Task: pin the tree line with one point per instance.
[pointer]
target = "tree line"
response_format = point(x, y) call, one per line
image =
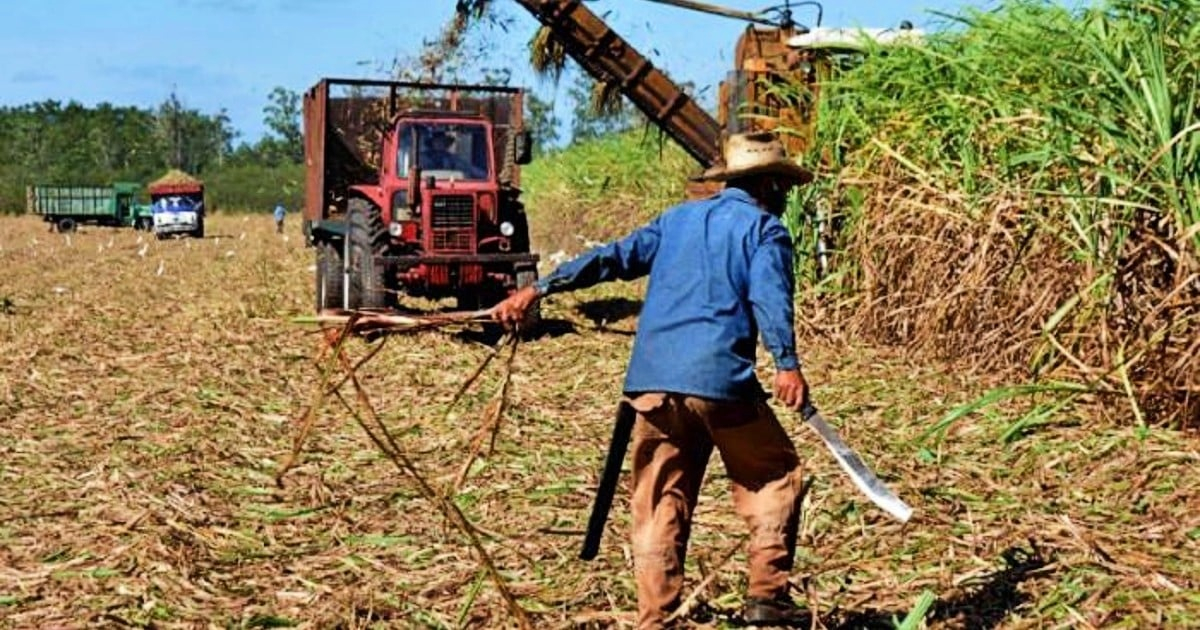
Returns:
point(51, 142)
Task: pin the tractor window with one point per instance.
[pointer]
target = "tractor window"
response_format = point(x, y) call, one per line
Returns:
point(444, 150)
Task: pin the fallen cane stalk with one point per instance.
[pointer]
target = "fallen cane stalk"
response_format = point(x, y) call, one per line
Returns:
point(387, 444)
point(309, 416)
point(493, 414)
point(383, 439)
point(371, 321)
point(462, 389)
point(361, 362)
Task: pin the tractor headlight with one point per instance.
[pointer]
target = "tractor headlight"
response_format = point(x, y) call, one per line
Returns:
point(507, 228)
point(395, 228)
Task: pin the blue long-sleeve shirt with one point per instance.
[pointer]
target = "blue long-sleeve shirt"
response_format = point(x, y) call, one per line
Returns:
point(720, 269)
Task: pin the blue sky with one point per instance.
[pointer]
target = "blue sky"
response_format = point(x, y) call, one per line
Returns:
point(230, 53)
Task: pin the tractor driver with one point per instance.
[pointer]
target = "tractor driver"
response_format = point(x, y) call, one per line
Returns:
point(440, 156)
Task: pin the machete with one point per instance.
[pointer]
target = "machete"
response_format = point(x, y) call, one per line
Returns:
point(622, 430)
point(850, 462)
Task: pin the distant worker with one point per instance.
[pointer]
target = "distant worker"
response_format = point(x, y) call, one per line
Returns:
point(441, 156)
point(280, 212)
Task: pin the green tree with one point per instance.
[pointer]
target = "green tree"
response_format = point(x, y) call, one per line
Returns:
point(282, 116)
point(542, 122)
point(597, 110)
point(190, 140)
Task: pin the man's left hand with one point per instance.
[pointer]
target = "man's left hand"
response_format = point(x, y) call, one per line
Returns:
point(790, 388)
point(511, 312)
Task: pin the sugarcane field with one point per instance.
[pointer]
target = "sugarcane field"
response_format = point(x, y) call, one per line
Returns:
point(519, 322)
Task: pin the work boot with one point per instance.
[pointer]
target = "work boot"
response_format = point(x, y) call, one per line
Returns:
point(779, 611)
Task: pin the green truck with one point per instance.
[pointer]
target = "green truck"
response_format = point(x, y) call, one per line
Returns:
point(67, 207)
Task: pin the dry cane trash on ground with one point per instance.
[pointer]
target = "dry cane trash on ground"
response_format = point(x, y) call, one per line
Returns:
point(144, 419)
point(380, 326)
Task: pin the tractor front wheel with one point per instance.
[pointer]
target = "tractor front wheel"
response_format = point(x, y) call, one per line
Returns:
point(366, 240)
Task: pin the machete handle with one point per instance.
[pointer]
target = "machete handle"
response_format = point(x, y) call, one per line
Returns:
point(609, 476)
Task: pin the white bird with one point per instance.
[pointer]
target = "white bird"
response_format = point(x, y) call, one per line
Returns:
point(139, 238)
point(68, 240)
point(229, 254)
point(242, 236)
point(160, 268)
point(143, 250)
point(110, 242)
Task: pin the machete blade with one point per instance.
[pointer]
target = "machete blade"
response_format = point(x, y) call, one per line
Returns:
point(859, 473)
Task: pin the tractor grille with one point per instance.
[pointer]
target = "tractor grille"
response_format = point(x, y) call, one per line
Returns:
point(454, 211)
point(453, 223)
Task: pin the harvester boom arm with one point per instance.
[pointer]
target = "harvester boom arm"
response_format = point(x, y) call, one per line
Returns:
point(702, 7)
point(607, 57)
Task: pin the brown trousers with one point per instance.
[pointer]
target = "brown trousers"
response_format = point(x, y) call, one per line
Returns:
point(672, 439)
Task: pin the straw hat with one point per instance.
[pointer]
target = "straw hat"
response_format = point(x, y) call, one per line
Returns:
point(759, 153)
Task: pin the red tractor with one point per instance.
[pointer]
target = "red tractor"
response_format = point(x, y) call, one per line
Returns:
point(412, 189)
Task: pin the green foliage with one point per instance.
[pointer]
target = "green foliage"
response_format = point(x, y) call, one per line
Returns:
point(915, 619)
point(53, 143)
point(282, 117)
point(541, 122)
point(1033, 149)
point(604, 187)
point(256, 187)
point(190, 140)
point(1099, 107)
point(597, 111)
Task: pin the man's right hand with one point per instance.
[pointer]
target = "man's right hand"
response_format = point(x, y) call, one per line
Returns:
point(511, 312)
point(790, 389)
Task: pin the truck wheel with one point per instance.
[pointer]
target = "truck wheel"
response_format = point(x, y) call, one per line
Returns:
point(533, 317)
point(366, 238)
point(199, 231)
point(66, 225)
point(329, 277)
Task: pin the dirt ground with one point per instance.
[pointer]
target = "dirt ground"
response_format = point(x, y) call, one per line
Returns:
point(149, 392)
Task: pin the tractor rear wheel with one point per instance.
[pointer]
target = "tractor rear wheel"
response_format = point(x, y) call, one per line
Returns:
point(366, 239)
point(330, 278)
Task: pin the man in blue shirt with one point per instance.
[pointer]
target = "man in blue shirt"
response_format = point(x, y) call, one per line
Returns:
point(720, 276)
point(280, 212)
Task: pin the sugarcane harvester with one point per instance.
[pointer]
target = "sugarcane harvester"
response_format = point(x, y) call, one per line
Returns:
point(746, 100)
point(413, 189)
